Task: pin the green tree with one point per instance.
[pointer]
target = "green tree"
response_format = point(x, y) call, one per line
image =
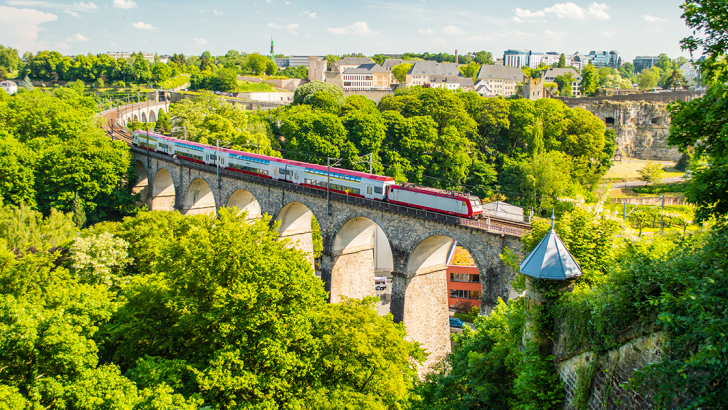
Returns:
point(589, 80)
point(674, 80)
point(79, 214)
point(257, 63)
point(400, 72)
point(271, 68)
point(22, 228)
point(26, 84)
point(562, 61)
point(647, 80)
point(306, 92)
point(652, 172)
point(17, 177)
point(565, 83)
point(484, 58)
point(163, 125)
point(664, 62)
point(331, 59)
point(321, 135)
point(471, 70)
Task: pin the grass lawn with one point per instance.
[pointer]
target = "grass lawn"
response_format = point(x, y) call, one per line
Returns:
point(248, 87)
point(626, 170)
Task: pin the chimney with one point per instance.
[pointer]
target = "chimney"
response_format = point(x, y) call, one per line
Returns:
point(456, 56)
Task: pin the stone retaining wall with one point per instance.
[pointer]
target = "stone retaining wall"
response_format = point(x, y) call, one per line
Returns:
point(610, 384)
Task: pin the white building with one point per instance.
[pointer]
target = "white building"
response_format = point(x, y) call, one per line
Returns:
point(298, 61)
point(9, 87)
point(498, 80)
point(125, 55)
point(689, 71)
point(273, 97)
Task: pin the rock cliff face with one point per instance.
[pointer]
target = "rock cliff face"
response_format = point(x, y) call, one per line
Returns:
point(641, 128)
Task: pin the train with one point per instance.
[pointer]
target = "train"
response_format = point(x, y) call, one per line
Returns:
point(343, 181)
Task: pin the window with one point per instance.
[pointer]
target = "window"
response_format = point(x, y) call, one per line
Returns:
point(249, 169)
point(464, 277)
point(283, 171)
point(186, 155)
point(464, 294)
point(377, 190)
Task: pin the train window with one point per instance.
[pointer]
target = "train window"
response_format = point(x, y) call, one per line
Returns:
point(377, 190)
point(283, 171)
point(465, 204)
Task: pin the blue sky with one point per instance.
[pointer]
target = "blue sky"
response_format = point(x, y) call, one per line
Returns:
point(303, 27)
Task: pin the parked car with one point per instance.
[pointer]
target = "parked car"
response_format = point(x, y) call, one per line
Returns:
point(455, 322)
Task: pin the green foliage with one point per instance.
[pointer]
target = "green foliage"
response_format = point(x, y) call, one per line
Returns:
point(23, 228)
point(483, 366)
point(589, 80)
point(647, 79)
point(318, 242)
point(305, 93)
point(400, 71)
point(584, 379)
point(163, 125)
point(652, 172)
point(175, 82)
point(208, 117)
point(471, 70)
point(700, 123)
point(294, 72)
point(79, 215)
point(56, 150)
point(684, 162)
point(465, 316)
point(249, 323)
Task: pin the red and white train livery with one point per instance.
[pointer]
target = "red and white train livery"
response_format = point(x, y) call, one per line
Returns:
point(344, 181)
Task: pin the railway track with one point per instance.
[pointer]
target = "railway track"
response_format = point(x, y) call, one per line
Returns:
point(116, 131)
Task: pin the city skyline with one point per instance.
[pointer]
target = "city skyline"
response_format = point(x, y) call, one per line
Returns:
point(327, 27)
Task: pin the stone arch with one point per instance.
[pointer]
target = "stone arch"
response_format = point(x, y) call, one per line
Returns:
point(295, 224)
point(420, 298)
point(199, 198)
point(161, 109)
point(144, 117)
point(135, 118)
point(358, 244)
point(609, 121)
point(163, 191)
point(152, 116)
point(142, 185)
point(244, 200)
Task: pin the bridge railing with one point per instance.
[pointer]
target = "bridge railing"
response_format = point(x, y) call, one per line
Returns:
point(370, 203)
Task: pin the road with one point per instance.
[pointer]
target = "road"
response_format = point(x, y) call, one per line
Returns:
point(642, 183)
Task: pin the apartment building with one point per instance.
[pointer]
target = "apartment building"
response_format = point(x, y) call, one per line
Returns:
point(438, 75)
point(498, 80)
point(349, 62)
point(463, 279)
point(602, 59)
point(298, 61)
point(644, 63)
point(366, 77)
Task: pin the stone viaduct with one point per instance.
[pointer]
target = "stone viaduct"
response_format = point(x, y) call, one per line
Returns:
point(144, 112)
point(419, 240)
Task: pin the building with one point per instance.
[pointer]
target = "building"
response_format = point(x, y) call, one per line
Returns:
point(533, 88)
point(463, 279)
point(689, 72)
point(552, 73)
point(349, 62)
point(516, 58)
point(9, 86)
point(391, 62)
point(316, 68)
point(125, 55)
point(498, 80)
point(369, 76)
point(298, 61)
point(273, 97)
point(644, 63)
point(284, 62)
point(576, 60)
point(434, 74)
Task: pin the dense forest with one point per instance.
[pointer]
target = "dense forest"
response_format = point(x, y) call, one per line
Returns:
point(105, 305)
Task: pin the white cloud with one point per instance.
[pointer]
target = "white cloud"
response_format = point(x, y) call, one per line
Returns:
point(595, 11)
point(87, 6)
point(77, 37)
point(19, 27)
point(438, 41)
point(274, 25)
point(217, 13)
point(608, 33)
point(199, 42)
point(425, 31)
point(312, 15)
point(652, 19)
point(202, 11)
point(125, 4)
point(292, 27)
point(142, 26)
point(452, 31)
point(554, 35)
point(113, 44)
point(655, 29)
point(72, 13)
point(528, 13)
point(359, 28)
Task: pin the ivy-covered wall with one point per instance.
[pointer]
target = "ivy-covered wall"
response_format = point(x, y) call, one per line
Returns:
point(595, 382)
